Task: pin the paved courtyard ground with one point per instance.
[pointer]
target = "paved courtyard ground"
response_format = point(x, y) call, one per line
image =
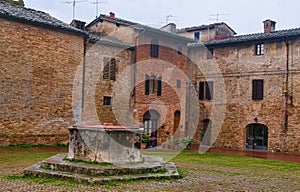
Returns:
point(200, 172)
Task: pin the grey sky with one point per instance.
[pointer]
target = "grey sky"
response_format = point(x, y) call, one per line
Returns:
point(243, 16)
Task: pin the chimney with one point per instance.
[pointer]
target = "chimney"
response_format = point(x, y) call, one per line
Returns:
point(269, 26)
point(112, 15)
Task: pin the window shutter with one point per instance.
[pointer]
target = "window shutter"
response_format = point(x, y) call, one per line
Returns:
point(159, 86)
point(112, 71)
point(260, 89)
point(106, 68)
point(209, 90)
point(201, 90)
point(147, 85)
point(257, 89)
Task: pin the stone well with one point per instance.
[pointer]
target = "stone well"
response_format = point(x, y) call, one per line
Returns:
point(105, 143)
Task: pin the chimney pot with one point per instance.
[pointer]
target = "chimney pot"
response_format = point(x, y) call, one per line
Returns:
point(269, 26)
point(112, 15)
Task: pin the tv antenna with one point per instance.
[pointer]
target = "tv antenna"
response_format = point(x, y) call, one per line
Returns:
point(74, 2)
point(217, 17)
point(168, 18)
point(97, 2)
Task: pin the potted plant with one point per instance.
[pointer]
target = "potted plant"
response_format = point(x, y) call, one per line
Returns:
point(187, 141)
point(145, 140)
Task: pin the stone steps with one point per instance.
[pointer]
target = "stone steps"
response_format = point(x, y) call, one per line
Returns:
point(56, 167)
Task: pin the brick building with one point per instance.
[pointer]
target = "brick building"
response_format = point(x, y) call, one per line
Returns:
point(260, 75)
point(38, 59)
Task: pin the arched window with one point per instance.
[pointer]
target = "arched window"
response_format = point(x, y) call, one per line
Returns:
point(177, 115)
point(151, 123)
point(154, 48)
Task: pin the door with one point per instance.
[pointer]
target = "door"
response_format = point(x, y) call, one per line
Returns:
point(257, 136)
point(151, 123)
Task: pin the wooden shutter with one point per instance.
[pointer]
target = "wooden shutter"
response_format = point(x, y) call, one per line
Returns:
point(209, 90)
point(258, 89)
point(106, 68)
point(201, 90)
point(147, 85)
point(112, 70)
point(159, 86)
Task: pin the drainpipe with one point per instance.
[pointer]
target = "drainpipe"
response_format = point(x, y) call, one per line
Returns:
point(287, 87)
point(86, 39)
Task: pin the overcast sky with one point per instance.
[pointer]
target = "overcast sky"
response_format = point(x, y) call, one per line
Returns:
point(244, 16)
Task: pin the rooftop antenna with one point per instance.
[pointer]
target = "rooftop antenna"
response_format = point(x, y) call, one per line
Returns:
point(168, 18)
point(74, 2)
point(217, 17)
point(97, 2)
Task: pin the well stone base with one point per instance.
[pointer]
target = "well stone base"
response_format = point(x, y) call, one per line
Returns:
point(58, 167)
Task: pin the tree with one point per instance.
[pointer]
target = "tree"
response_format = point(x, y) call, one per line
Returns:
point(16, 2)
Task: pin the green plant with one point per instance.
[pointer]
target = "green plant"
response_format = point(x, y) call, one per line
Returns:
point(145, 138)
point(187, 140)
point(175, 142)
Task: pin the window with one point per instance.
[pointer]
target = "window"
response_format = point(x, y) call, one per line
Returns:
point(257, 89)
point(197, 35)
point(178, 83)
point(109, 71)
point(259, 49)
point(154, 48)
point(107, 101)
point(210, 54)
point(153, 85)
point(179, 51)
point(206, 90)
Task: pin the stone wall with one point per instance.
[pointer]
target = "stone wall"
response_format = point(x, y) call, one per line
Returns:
point(238, 66)
point(38, 66)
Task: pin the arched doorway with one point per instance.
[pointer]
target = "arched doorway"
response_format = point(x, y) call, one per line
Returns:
point(206, 132)
point(177, 115)
point(151, 123)
point(257, 136)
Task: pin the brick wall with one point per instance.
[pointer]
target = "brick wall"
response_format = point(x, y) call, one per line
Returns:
point(38, 66)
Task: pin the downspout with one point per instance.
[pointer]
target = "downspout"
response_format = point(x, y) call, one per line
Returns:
point(286, 88)
point(86, 39)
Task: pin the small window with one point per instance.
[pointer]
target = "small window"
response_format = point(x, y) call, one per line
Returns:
point(210, 54)
point(206, 90)
point(179, 51)
point(259, 49)
point(153, 85)
point(257, 89)
point(197, 36)
point(107, 101)
point(178, 83)
point(154, 48)
point(278, 46)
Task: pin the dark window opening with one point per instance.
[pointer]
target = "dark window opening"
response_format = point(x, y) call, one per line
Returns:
point(107, 101)
point(206, 90)
point(197, 35)
point(210, 54)
point(178, 83)
point(153, 85)
point(179, 51)
point(257, 89)
point(154, 48)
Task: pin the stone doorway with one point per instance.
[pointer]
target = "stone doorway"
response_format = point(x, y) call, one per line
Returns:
point(257, 136)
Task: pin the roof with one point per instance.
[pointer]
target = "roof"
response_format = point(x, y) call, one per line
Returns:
point(257, 37)
point(138, 27)
point(34, 17)
point(203, 27)
point(107, 40)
